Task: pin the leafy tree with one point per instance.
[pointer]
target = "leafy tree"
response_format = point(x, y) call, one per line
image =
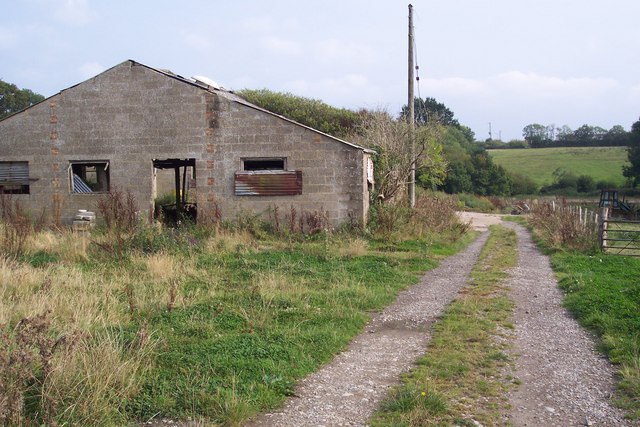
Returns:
point(536, 135)
point(488, 178)
point(585, 184)
point(475, 172)
point(13, 99)
point(617, 135)
point(564, 182)
point(522, 185)
point(458, 179)
point(470, 169)
point(429, 110)
point(585, 133)
point(632, 171)
point(564, 133)
point(314, 113)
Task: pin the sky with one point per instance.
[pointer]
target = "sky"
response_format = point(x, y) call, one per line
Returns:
point(497, 64)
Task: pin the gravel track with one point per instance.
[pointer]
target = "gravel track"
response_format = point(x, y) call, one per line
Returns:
point(564, 381)
point(347, 391)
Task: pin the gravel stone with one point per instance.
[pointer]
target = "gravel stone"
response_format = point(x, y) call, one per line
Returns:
point(564, 381)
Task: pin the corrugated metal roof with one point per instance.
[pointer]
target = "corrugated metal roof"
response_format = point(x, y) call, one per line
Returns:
point(79, 186)
point(268, 183)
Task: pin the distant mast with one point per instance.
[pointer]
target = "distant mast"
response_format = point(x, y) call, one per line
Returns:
point(411, 115)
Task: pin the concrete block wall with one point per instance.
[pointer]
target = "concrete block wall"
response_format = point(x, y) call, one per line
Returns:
point(331, 170)
point(131, 114)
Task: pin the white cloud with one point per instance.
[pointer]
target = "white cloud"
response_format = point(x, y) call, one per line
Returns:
point(634, 92)
point(281, 46)
point(334, 91)
point(456, 87)
point(259, 24)
point(196, 41)
point(335, 51)
point(90, 69)
point(8, 38)
point(75, 12)
point(348, 83)
point(536, 86)
point(518, 84)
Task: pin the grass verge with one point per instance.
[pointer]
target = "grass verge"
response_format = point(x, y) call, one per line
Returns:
point(186, 324)
point(603, 293)
point(459, 380)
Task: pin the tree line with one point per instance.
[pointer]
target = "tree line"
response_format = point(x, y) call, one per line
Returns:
point(540, 136)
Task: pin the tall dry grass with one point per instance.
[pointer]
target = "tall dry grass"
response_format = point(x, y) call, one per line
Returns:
point(61, 361)
point(73, 296)
point(353, 247)
point(93, 382)
point(67, 245)
point(240, 240)
point(77, 378)
point(560, 226)
point(434, 213)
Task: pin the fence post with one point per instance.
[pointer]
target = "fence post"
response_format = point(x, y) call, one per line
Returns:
point(602, 228)
point(580, 215)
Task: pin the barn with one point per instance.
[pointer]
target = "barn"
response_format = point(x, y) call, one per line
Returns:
point(154, 133)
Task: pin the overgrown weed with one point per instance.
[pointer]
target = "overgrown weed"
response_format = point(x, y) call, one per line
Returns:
point(247, 305)
point(561, 227)
point(16, 226)
point(73, 378)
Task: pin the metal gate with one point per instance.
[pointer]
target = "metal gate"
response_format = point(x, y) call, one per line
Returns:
point(620, 237)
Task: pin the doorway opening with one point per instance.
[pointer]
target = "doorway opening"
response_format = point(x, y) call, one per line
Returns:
point(175, 191)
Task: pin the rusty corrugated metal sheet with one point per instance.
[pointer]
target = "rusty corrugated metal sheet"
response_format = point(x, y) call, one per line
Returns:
point(268, 183)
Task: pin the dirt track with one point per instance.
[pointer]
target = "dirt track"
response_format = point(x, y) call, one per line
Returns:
point(564, 381)
point(480, 221)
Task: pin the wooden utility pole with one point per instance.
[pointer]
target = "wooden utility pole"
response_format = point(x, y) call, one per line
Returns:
point(411, 115)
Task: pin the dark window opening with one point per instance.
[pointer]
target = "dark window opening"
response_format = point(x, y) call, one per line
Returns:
point(14, 177)
point(89, 177)
point(264, 164)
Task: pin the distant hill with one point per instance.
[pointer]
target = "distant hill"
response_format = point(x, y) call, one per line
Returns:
point(601, 163)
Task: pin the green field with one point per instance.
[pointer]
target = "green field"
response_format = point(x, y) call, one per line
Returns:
point(601, 163)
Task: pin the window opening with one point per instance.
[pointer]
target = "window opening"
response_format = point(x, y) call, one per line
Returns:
point(14, 178)
point(264, 164)
point(89, 177)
